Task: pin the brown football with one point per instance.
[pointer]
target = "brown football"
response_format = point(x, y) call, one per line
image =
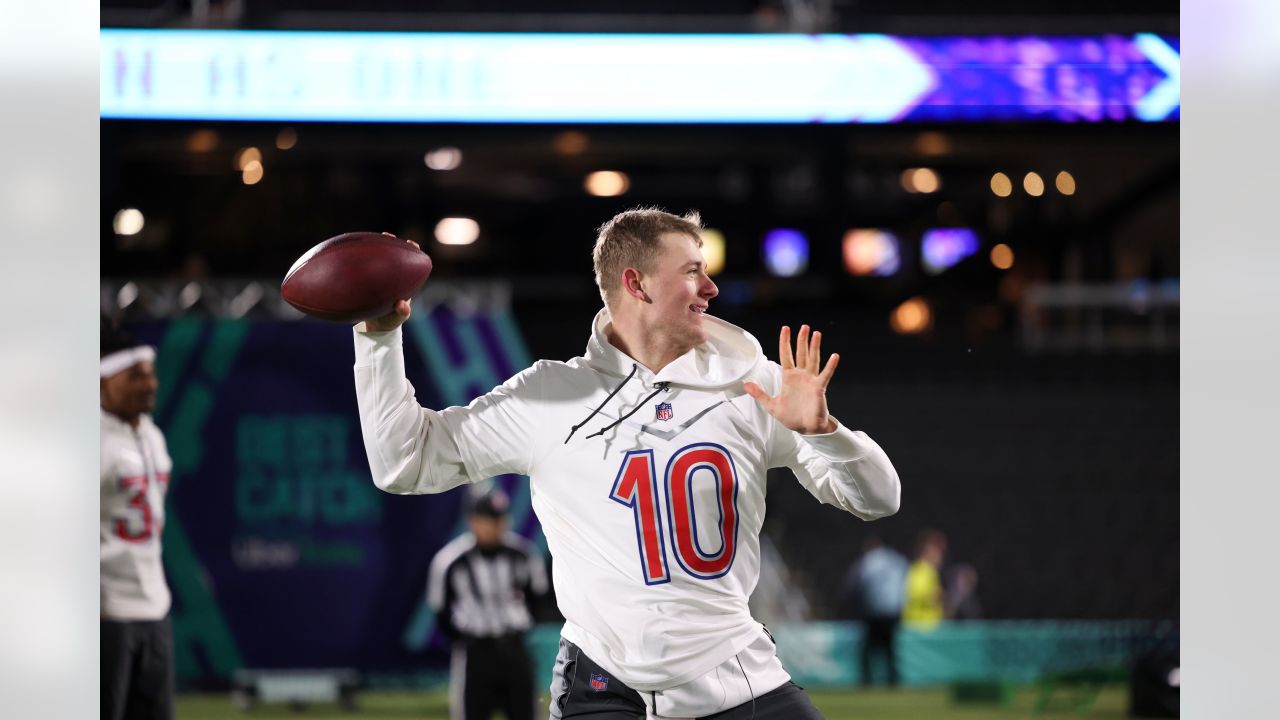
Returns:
point(355, 276)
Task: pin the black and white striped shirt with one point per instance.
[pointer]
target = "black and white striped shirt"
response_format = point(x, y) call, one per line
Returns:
point(485, 592)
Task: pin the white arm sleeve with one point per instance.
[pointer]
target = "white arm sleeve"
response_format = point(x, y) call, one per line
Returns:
point(414, 450)
point(844, 468)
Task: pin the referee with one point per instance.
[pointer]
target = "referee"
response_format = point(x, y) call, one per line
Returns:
point(482, 586)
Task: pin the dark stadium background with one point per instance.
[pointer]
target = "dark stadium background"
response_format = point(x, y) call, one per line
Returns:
point(1051, 465)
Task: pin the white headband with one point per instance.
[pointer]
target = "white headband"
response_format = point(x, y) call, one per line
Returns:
point(121, 360)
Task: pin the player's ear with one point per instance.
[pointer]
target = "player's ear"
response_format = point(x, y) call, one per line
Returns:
point(633, 284)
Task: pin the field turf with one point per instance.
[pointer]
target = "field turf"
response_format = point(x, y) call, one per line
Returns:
point(907, 704)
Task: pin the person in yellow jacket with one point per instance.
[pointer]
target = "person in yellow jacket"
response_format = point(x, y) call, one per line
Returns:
point(924, 606)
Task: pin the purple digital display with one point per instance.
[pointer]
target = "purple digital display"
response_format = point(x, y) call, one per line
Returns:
point(1062, 79)
point(941, 248)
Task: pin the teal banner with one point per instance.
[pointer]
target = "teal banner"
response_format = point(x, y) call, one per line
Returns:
point(826, 654)
point(280, 551)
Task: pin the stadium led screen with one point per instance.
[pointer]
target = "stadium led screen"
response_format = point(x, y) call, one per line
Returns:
point(597, 78)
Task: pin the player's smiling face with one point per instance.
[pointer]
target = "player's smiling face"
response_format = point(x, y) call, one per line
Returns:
point(680, 291)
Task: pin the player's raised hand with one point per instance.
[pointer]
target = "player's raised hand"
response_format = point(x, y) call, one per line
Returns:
point(398, 314)
point(801, 402)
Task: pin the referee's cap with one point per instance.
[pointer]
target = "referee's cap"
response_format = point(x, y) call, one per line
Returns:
point(494, 504)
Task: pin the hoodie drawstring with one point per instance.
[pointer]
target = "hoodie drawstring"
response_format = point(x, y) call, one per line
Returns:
point(600, 407)
point(657, 388)
point(660, 387)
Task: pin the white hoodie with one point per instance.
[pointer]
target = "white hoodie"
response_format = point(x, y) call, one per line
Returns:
point(134, 478)
point(654, 525)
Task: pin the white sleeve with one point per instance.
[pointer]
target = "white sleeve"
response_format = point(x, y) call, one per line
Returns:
point(414, 450)
point(844, 468)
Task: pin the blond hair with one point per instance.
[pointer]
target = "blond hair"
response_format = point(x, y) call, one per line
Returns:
point(633, 239)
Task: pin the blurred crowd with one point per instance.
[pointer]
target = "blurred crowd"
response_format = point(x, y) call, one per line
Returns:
point(885, 591)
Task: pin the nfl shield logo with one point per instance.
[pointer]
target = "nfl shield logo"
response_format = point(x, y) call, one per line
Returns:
point(599, 682)
point(664, 411)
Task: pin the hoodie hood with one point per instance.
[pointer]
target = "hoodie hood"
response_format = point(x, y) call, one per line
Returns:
point(726, 358)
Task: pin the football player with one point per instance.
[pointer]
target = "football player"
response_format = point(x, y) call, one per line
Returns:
point(647, 458)
point(135, 635)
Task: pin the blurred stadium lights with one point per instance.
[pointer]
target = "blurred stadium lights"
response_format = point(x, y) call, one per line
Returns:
point(443, 158)
point(570, 142)
point(286, 139)
point(1065, 183)
point(1033, 184)
point(786, 252)
point(252, 172)
point(457, 231)
point(202, 141)
point(908, 180)
point(189, 295)
point(713, 250)
point(1001, 185)
point(1002, 256)
point(126, 295)
point(932, 144)
point(921, 180)
point(247, 155)
point(941, 248)
point(912, 317)
point(128, 221)
point(163, 298)
point(607, 183)
point(871, 252)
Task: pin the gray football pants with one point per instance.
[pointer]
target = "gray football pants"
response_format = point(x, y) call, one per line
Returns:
point(137, 670)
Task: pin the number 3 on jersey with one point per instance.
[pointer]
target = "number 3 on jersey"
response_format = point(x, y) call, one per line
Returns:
point(637, 488)
point(136, 486)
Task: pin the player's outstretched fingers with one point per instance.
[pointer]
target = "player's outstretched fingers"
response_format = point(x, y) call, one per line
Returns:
point(830, 369)
point(815, 345)
point(802, 348)
point(784, 348)
point(756, 392)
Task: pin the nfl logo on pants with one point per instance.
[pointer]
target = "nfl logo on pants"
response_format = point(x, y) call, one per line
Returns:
point(599, 682)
